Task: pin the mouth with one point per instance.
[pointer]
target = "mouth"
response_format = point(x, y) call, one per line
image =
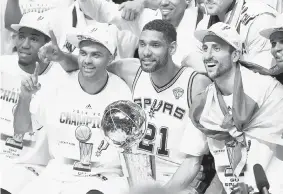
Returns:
point(165, 11)
point(24, 54)
point(88, 68)
point(148, 62)
point(210, 64)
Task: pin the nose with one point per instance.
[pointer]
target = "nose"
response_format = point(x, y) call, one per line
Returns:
point(87, 60)
point(164, 2)
point(26, 43)
point(146, 52)
point(207, 54)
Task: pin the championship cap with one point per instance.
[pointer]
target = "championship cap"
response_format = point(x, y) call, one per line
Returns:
point(224, 31)
point(99, 33)
point(35, 21)
point(277, 27)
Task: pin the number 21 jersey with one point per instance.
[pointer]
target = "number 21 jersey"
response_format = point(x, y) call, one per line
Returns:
point(167, 110)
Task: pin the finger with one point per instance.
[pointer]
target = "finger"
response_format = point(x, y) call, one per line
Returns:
point(127, 15)
point(28, 85)
point(132, 16)
point(121, 6)
point(36, 71)
point(53, 37)
point(123, 15)
point(38, 86)
point(34, 82)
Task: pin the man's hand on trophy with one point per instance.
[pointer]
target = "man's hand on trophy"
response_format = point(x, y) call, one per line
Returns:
point(50, 51)
point(30, 84)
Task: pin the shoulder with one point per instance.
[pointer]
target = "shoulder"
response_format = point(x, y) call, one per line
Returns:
point(9, 63)
point(201, 81)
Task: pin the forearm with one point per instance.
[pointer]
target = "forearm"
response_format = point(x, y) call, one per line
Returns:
point(152, 4)
point(69, 62)
point(22, 116)
point(185, 174)
point(13, 13)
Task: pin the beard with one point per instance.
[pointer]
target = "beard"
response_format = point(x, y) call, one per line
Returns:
point(158, 64)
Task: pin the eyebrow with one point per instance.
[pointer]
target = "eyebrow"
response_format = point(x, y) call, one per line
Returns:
point(35, 35)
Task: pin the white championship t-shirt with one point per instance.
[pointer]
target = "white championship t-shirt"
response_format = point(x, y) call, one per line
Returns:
point(28, 149)
point(76, 141)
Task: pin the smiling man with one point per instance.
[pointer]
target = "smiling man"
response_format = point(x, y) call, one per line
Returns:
point(182, 14)
point(22, 153)
point(238, 117)
point(72, 114)
point(165, 91)
point(249, 17)
point(275, 35)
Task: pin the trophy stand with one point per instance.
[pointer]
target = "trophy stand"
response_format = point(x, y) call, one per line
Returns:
point(141, 167)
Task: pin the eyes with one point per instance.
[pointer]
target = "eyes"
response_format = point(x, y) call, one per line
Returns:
point(274, 43)
point(152, 44)
point(215, 48)
point(32, 38)
point(94, 54)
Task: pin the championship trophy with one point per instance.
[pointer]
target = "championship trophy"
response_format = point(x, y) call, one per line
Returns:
point(83, 134)
point(124, 125)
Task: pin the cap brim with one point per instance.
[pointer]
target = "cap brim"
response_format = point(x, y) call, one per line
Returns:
point(267, 32)
point(200, 34)
point(17, 27)
point(75, 39)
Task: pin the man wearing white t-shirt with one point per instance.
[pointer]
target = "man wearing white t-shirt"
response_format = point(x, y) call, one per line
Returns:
point(239, 118)
point(181, 14)
point(22, 153)
point(82, 159)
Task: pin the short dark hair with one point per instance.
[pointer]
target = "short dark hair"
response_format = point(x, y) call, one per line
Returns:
point(167, 29)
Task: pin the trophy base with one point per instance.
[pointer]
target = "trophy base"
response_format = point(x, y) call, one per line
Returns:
point(12, 143)
point(81, 167)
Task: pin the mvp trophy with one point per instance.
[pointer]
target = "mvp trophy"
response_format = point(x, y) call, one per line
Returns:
point(124, 125)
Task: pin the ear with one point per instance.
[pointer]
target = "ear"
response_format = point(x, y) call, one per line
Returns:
point(235, 56)
point(173, 47)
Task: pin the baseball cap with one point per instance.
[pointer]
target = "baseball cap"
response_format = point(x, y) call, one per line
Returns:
point(277, 27)
point(224, 31)
point(99, 33)
point(35, 21)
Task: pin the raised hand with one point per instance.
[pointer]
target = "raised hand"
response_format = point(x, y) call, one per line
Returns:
point(50, 51)
point(30, 84)
point(131, 9)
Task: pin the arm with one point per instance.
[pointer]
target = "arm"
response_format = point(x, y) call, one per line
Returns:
point(258, 47)
point(51, 52)
point(126, 69)
point(194, 60)
point(22, 116)
point(13, 13)
point(185, 174)
point(200, 82)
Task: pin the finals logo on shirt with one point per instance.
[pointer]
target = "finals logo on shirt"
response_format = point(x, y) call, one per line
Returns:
point(88, 125)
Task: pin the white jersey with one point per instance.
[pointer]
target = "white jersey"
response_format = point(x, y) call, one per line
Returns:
point(76, 141)
point(28, 148)
point(167, 109)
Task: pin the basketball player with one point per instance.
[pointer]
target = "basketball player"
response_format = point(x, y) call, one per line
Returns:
point(22, 153)
point(275, 35)
point(82, 160)
point(182, 14)
point(239, 117)
point(249, 17)
point(166, 91)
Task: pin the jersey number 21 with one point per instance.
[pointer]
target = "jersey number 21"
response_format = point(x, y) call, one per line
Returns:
point(147, 144)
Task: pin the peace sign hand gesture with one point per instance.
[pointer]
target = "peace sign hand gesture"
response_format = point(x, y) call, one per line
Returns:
point(30, 84)
point(50, 51)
